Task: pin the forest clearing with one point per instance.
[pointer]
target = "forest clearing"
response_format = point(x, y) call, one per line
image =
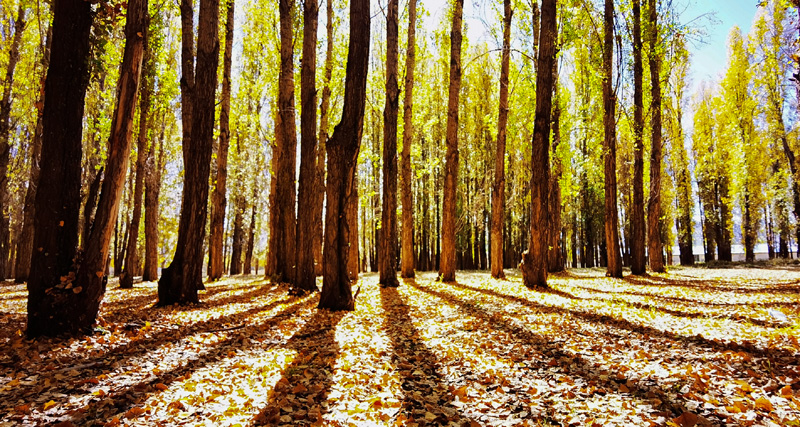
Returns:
point(694, 346)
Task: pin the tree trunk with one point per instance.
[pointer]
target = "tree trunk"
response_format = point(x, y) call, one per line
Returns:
point(387, 262)
point(218, 198)
point(638, 259)
point(534, 264)
point(238, 238)
point(132, 259)
point(251, 241)
point(5, 147)
point(283, 226)
point(306, 277)
point(342, 151)
point(499, 186)
point(407, 240)
point(151, 193)
point(555, 259)
point(655, 246)
point(613, 256)
point(180, 281)
point(323, 139)
point(25, 245)
point(447, 262)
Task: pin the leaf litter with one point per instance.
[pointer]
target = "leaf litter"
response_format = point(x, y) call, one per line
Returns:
point(692, 347)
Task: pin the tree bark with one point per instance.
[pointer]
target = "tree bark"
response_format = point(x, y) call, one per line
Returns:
point(306, 277)
point(25, 245)
point(499, 186)
point(132, 259)
point(655, 246)
point(407, 231)
point(342, 152)
point(614, 266)
point(447, 262)
point(238, 237)
point(283, 225)
point(219, 199)
point(5, 147)
point(251, 241)
point(323, 139)
point(638, 259)
point(387, 261)
point(534, 264)
point(151, 193)
point(555, 259)
point(180, 281)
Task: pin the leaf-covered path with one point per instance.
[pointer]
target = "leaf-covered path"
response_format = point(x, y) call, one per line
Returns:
point(696, 346)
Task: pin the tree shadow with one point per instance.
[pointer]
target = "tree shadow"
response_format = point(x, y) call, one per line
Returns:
point(773, 355)
point(423, 387)
point(546, 349)
point(715, 285)
point(301, 394)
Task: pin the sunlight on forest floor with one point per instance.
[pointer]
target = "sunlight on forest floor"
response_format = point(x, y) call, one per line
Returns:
point(693, 347)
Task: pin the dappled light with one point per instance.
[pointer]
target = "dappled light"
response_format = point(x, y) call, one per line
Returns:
point(591, 350)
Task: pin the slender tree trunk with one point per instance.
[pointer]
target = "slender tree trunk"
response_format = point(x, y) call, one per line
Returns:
point(447, 262)
point(534, 264)
point(499, 187)
point(638, 259)
point(555, 259)
point(5, 147)
point(407, 240)
point(238, 237)
point(387, 262)
point(352, 214)
point(25, 245)
point(613, 257)
point(342, 151)
point(283, 225)
point(306, 280)
point(219, 199)
point(655, 246)
point(180, 281)
point(151, 193)
point(323, 138)
point(251, 241)
point(132, 259)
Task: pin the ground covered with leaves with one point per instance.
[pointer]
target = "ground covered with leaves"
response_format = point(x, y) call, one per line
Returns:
point(693, 347)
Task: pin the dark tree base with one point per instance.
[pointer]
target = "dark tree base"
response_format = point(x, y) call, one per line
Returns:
point(173, 290)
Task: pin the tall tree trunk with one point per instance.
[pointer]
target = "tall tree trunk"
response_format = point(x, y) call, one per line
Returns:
point(499, 185)
point(306, 277)
point(638, 260)
point(251, 242)
point(655, 246)
point(407, 239)
point(342, 150)
point(352, 214)
point(725, 221)
point(555, 258)
point(132, 259)
point(238, 237)
point(323, 139)
point(613, 256)
point(534, 264)
point(387, 261)
point(447, 262)
point(283, 226)
point(219, 199)
point(151, 193)
point(180, 281)
point(25, 245)
point(5, 147)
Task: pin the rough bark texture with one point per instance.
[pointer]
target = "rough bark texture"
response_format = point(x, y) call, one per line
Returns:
point(388, 239)
point(180, 281)
point(25, 242)
point(219, 199)
point(613, 257)
point(342, 151)
point(251, 241)
point(655, 247)
point(499, 186)
point(5, 147)
point(638, 260)
point(323, 139)
point(151, 193)
point(306, 277)
point(406, 197)
point(238, 238)
point(555, 258)
point(283, 225)
point(534, 263)
point(447, 262)
point(132, 259)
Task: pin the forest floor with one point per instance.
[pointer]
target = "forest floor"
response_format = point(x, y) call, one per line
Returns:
point(692, 347)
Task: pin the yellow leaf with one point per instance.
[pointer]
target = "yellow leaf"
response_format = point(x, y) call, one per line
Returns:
point(161, 386)
point(624, 389)
point(134, 412)
point(77, 289)
point(765, 404)
point(49, 405)
point(786, 391)
point(100, 392)
point(60, 223)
